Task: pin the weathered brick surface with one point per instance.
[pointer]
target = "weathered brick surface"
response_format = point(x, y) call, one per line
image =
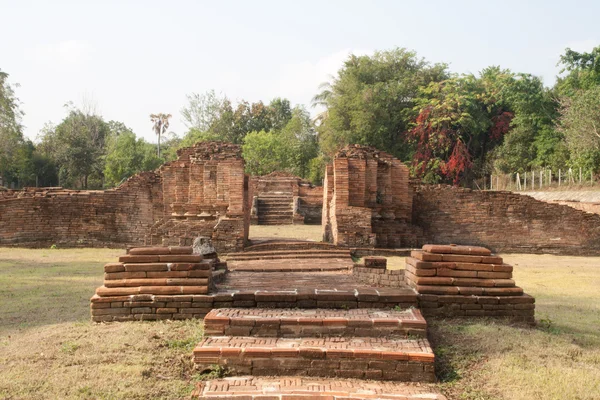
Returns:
point(203, 193)
point(385, 358)
point(314, 323)
point(504, 221)
point(305, 388)
point(153, 283)
point(40, 217)
point(367, 201)
point(466, 284)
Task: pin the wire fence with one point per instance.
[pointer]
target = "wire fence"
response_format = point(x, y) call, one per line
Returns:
point(541, 179)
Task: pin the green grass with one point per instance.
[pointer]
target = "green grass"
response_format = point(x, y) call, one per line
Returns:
point(49, 349)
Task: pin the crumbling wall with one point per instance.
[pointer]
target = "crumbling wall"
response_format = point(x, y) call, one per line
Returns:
point(202, 193)
point(503, 221)
point(41, 217)
point(205, 194)
point(371, 201)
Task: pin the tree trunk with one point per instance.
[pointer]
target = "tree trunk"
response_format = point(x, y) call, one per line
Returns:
point(159, 132)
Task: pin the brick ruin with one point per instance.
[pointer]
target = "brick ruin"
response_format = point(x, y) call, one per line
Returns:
point(205, 193)
point(367, 200)
point(202, 193)
point(282, 198)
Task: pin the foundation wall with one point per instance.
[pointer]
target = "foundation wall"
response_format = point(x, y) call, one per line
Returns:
point(41, 217)
point(504, 221)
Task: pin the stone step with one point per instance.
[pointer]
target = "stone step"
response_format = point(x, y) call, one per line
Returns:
point(283, 210)
point(307, 388)
point(318, 252)
point(321, 264)
point(260, 322)
point(271, 245)
point(395, 359)
point(267, 256)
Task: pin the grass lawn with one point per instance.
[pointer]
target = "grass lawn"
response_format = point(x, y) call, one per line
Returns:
point(49, 349)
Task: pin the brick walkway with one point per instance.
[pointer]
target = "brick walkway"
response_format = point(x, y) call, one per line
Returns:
point(308, 388)
point(292, 265)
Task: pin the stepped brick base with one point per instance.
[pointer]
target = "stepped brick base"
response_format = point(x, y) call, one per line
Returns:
point(466, 281)
point(314, 323)
point(149, 307)
point(302, 388)
point(367, 358)
point(517, 307)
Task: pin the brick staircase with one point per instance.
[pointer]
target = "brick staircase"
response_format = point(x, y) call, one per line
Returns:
point(275, 209)
point(325, 349)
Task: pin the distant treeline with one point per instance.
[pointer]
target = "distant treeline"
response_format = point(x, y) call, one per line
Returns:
point(448, 127)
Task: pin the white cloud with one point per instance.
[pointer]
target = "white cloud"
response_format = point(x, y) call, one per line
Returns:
point(65, 54)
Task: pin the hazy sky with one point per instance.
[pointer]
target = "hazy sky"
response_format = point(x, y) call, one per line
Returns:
point(133, 58)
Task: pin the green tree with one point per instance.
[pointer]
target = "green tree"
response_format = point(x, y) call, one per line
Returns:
point(580, 123)
point(126, 156)
point(371, 101)
point(12, 142)
point(77, 146)
point(583, 71)
point(160, 124)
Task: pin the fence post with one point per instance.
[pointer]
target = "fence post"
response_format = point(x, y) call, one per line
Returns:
point(559, 177)
point(525, 181)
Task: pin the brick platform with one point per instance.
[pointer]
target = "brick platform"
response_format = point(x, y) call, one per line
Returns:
point(288, 254)
point(466, 281)
point(303, 388)
point(313, 264)
point(153, 283)
point(364, 357)
point(314, 323)
point(301, 290)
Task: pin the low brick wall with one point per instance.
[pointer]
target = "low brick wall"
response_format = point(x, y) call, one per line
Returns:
point(41, 217)
point(503, 221)
point(379, 277)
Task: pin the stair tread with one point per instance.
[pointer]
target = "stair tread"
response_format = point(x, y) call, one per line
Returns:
point(300, 251)
point(409, 349)
point(331, 388)
point(374, 316)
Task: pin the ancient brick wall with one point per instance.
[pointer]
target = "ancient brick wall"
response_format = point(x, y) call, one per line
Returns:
point(40, 217)
point(503, 221)
point(368, 200)
point(203, 193)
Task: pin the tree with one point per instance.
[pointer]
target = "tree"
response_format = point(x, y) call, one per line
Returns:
point(11, 135)
point(583, 71)
point(290, 149)
point(126, 156)
point(160, 125)
point(77, 146)
point(580, 123)
point(371, 101)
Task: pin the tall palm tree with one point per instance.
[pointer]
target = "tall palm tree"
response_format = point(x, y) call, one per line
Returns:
point(161, 124)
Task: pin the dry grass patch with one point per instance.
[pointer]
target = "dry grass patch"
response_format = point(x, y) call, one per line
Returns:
point(558, 359)
point(49, 349)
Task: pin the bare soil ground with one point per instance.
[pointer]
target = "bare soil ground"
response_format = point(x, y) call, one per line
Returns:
point(50, 349)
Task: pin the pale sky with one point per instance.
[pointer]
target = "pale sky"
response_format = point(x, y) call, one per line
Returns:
point(134, 58)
